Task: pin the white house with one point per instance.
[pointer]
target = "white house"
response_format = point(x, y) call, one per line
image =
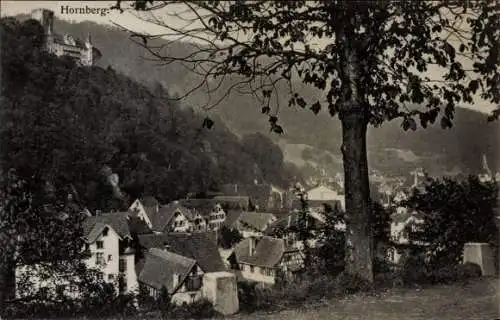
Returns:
point(399, 235)
point(254, 224)
point(109, 240)
point(264, 259)
point(322, 193)
point(145, 208)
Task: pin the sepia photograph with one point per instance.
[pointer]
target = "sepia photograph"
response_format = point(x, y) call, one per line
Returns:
point(250, 159)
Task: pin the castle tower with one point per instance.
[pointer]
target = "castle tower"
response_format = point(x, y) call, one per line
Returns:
point(87, 55)
point(46, 19)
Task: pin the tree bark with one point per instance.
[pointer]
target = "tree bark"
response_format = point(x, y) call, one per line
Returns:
point(359, 240)
point(354, 116)
point(7, 276)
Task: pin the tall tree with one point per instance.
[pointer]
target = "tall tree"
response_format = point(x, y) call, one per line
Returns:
point(369, 59)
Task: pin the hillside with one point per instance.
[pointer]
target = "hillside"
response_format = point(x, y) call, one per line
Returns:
point(391, 150)
point(111, 137)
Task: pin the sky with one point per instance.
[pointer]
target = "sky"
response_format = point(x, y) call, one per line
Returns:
point(65, 10)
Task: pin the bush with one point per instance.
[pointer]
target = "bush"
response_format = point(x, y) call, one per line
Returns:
point(251, 298)
point(416, 270)
point(202, 309)
point(308, 289)
point(469, 270)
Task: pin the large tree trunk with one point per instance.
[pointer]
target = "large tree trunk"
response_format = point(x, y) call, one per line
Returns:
point(7, 276)
point(354, 116)
point(357, 196)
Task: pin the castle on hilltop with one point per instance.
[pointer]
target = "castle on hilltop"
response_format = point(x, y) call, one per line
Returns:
point(83, 52)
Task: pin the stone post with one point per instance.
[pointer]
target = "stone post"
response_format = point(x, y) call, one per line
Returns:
point(482, 255)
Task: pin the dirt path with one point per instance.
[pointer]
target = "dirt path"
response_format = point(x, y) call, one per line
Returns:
point(477, 300)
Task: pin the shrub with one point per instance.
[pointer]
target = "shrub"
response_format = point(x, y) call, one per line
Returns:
point(251, 297)
point(310, 288)
point(417, 270)
point(469, 270)
point(414, 268)
point(201, 309)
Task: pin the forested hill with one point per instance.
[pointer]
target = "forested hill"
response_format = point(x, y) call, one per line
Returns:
point(69, 125)
point(391, 150)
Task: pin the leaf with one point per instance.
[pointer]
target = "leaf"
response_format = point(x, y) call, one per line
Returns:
point(448, 48)
point(208, 123)
point(446, 123)
point(276, 129)
point(474, 85)
point(409, 123)
point(301, 102)
point(273, 119)
point(316, 107)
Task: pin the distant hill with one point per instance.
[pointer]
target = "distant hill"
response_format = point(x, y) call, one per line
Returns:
point(391, 150)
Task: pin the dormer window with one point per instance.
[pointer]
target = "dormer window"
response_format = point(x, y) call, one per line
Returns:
point(105, 232)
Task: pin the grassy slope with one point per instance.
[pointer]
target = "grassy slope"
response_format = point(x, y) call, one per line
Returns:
point(477, 300)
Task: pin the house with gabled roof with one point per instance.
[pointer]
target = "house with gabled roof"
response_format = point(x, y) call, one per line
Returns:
point(201, 247)
point(253, 224)
point(146, 208)
point(178, 262)
point(208, 213)
point(181, 276)
point(265, 259)
point(322, 193)
point(108, 237)
point(288, 228)
point(109, 240)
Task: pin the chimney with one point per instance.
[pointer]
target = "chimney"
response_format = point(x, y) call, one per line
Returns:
point(251, 246)
point(175, 280)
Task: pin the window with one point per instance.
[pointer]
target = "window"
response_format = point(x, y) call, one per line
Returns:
point(105, 232)
point(60, 290)
point(110, 257)
point(99, 258)
point(43, 292)
point(122, 265)
point(268, 272)
point(251, 268)
point(99, 244)
point(111, 277)
point(194, 283)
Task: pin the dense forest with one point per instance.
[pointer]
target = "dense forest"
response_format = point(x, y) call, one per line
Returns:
point(391, 150)
point(85, 127)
